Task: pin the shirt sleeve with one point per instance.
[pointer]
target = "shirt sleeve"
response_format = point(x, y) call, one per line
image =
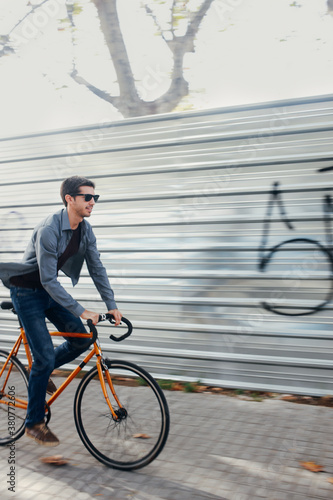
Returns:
point(98, 273)
point(47, 259)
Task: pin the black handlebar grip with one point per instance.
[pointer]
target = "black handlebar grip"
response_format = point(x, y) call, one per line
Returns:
point(107, 316)
point(7, 305)
point(93, 329)
point(127, 334)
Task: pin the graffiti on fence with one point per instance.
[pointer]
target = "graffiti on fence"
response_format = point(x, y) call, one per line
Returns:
point(318, 250)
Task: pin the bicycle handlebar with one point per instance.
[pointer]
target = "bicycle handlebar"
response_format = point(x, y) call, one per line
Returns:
point(93, 329)
point(102, 317)
point(6, 305)
point(109, 317)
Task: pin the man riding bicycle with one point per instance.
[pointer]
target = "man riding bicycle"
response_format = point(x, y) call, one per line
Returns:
point(62, 241)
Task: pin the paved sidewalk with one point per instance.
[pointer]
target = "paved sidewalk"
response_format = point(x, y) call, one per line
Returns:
point(219, 448)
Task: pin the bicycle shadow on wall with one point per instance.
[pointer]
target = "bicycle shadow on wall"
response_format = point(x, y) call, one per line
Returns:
point(311, 260)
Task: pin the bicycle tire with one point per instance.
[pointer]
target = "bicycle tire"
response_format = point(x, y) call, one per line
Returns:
point(134, 441)
point(12, 418)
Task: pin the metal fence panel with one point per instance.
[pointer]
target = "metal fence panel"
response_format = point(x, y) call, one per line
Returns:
point(191, 205)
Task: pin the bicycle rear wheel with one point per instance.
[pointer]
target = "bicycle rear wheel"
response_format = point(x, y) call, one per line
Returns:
point(139, 435)
point(13, 390)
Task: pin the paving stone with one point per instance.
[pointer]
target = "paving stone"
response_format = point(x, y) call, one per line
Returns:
point(244, 450)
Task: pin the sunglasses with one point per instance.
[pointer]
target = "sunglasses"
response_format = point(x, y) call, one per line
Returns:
point(88, 197)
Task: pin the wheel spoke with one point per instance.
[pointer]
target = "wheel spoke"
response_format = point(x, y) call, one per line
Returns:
point(139, 435)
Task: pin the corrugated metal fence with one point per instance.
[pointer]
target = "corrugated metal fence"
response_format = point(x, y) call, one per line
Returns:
point(194, 224)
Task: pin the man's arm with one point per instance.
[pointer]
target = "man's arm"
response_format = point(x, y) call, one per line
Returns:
point(99, 276)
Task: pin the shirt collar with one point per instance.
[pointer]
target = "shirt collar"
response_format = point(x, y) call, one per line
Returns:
point(65, 226)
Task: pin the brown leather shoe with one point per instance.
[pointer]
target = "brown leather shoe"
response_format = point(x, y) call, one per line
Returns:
point(42, 435)
point(51, 388)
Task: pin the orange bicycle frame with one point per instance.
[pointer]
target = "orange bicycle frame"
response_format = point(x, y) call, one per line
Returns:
point(95, 351)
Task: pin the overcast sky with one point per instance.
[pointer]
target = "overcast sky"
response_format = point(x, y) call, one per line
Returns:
point(246, 51)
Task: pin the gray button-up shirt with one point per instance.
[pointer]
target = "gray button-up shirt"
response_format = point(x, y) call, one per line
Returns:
point(49, 240)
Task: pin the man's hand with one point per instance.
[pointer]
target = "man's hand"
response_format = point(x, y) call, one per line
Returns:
point(90, 315)
point(95, 316)
point(117, 315)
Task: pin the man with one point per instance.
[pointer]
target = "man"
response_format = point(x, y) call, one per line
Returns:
point(61, 241)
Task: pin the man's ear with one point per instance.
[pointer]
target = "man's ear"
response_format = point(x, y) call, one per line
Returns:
point(68, 198)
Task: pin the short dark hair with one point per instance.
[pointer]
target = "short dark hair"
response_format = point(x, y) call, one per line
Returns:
point(72, 185)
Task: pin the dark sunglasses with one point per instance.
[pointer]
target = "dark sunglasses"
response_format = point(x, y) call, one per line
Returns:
point(87, 197)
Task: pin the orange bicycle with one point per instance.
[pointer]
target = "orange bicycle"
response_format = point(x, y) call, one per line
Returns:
point(120, 412)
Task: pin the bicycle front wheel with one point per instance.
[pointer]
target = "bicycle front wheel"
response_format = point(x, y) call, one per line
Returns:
point(13, 398)
point(139, 434)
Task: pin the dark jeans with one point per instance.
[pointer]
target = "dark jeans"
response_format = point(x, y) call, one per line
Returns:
point(33, 306)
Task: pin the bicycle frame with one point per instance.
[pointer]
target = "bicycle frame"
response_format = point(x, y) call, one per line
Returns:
point(143, 413)
point(96, 350)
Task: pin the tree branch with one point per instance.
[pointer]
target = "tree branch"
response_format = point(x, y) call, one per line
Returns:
point(179, 46)
point(108, 15)
point(5, 39)
point(100, 93)
point(197, 17)
point(171, 20)
point(33, 8)
point(151, 13)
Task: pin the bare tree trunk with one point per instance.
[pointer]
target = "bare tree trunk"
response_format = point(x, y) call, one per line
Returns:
point(129, 100)
point(129, 103)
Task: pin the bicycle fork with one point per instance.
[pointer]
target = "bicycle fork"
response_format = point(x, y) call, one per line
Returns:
point(104, 374)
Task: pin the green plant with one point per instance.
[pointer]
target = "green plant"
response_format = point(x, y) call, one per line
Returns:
point(256, 396)
point(141, 381)
point(190, 386)
point(239, 391)
point(165, 384)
